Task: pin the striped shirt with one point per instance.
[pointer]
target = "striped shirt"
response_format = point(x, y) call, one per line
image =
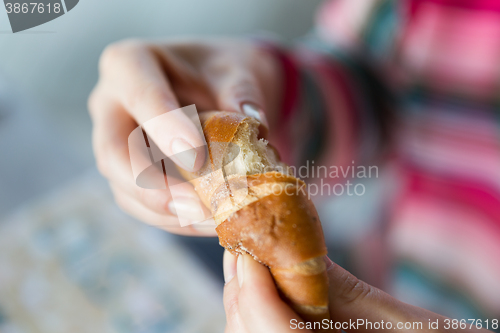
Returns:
point(413, 88)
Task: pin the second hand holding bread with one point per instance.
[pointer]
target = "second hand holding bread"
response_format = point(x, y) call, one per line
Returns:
point(262, 210)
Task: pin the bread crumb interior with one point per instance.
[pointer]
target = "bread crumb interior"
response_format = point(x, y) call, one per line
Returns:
point(250, 155)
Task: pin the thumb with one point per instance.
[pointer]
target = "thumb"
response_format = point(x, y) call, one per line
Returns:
point(239, 91)
point(260, 305)
point(352, 300)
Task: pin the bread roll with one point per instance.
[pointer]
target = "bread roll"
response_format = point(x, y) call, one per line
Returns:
point(262, 210)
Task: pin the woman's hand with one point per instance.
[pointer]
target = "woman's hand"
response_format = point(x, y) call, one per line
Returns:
point(139, 81)
point(253, 305)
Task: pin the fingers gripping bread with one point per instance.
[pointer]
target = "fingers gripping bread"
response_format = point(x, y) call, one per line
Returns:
point(262, 210)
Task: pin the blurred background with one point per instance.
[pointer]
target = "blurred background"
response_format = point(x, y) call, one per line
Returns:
point(63, 265)
point(426, 230)
point(53, 67)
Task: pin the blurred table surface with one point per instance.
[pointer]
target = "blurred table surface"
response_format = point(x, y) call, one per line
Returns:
point(73, 262)
point(70, 259)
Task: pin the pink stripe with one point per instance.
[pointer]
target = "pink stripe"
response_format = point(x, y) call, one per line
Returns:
point(480, 196)
point(464, 146)
point(486, 5)
point(453, 49)
point(452, 241)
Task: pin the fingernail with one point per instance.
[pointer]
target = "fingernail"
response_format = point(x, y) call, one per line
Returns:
point(253, 111)
point(328, 262)
point(187, 208)
point(229, 265)
point(184, 153)
point(239, 269)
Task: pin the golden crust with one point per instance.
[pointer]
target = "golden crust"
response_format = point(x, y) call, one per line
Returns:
point(281, 230)
point(219, 129)
point(268, 216)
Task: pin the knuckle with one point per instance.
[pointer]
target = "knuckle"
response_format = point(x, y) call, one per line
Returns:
point(153, 199)
point(116, 51)
point(221, 64)
point(231, 306)
point(354, 290)
point(109, 154)
point(155, 97)
point(244, 88)
point(230, 299)
point(109, 55)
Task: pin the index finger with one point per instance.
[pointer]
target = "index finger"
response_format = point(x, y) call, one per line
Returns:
point(135, 76)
